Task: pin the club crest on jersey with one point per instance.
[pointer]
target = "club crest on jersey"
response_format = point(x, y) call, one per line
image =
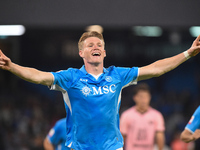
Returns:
point(86, 90)
point(108, 78)
point(192, 118)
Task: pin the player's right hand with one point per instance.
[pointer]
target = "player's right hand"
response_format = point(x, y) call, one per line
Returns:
point(5, 62)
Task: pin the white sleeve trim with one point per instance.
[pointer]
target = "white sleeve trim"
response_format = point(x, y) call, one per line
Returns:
point(189, 130)
point(133, 82)
point(52, 87)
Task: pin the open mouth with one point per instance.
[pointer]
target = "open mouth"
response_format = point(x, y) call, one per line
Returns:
point(96, 54)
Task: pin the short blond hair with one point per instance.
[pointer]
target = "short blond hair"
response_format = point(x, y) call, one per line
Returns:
point(87, 35)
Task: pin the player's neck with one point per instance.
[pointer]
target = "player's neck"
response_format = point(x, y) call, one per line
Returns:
point(142, 109)
point(94, 69)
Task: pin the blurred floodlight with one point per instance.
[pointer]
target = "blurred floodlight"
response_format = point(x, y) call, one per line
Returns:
point(195, 31)
point(12, 30)
point(149, 31)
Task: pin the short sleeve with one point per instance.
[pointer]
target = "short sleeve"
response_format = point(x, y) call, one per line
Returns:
point(124, 124)
point(128, 75)
point(62, 80)
point(54, 135)
point(194, 122)
point(160, 123)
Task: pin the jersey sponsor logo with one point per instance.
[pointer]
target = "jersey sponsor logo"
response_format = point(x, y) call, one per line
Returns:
point(98, 91)
point(108, 78)
point(192, 118)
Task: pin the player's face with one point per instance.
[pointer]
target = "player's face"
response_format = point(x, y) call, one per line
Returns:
point(142, 99)
point(93, 51)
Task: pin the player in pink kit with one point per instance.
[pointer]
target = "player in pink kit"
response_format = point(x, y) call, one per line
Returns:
point(141, 125)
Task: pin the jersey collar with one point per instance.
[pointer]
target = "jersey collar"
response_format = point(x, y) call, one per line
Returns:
point(85, 72)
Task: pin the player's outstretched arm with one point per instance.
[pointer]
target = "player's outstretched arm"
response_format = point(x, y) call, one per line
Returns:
point(26, 73)
point(187, 136)
point(160, 67)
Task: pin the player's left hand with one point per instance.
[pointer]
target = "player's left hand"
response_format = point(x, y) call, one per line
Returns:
point(195, 48)
point(196, 134)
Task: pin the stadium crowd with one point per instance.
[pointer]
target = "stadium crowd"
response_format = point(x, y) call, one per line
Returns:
point(28, 111)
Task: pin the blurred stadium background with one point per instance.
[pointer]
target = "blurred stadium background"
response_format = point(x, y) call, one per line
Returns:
point(136, 33)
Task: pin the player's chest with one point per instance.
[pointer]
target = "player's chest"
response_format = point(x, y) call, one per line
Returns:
point(88, 87)
point(142, 121)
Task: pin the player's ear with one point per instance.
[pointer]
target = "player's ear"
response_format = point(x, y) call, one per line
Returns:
point(81, 54)
point(104, 53)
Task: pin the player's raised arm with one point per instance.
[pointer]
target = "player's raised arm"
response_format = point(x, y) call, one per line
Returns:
point(26, 73)
point(165, 65)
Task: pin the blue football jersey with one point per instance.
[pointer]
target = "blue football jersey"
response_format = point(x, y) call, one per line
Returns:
point(57, 135)
point(194, 122)
point(94, 105)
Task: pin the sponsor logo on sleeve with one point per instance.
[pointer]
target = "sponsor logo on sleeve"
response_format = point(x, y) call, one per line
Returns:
point(51, 132)
point(192, 118)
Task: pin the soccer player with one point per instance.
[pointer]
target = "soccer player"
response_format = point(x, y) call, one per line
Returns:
point(192, 129)
point(141, 124)
point(93, 93)
point(56, 137)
